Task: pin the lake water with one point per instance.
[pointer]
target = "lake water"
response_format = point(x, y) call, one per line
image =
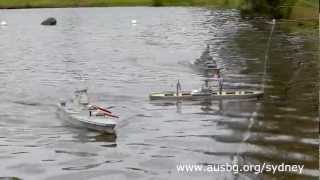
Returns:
point(121, 63)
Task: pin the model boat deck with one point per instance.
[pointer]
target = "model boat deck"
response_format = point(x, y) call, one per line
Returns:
point(80, 113)
point(198, 95)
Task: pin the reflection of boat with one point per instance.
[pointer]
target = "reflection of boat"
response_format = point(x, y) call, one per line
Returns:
point(204, 65)
point(85, 136)
point(205, 62)
point(79, 112)
point(200, 95)
point(225, 107)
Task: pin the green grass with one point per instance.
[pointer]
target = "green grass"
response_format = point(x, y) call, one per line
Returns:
point(69, 3)
point(99, 3)
point(106, 3)
point(305, 9)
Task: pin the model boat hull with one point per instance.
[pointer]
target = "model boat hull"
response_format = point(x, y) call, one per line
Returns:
point(188, 95)
point(82, 119)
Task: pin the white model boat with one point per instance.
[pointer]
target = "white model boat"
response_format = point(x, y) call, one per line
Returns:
point(3, 23)
point(80, 113)
point(212, 90)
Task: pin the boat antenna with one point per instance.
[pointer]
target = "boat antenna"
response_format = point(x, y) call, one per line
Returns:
point(266, 55)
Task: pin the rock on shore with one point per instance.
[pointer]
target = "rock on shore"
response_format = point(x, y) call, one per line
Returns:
point(49, 22)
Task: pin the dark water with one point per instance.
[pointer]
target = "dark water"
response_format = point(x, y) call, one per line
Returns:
point(122, 63)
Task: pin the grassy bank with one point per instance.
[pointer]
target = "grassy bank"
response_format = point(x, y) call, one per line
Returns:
point(106, 3)
point(287, 9)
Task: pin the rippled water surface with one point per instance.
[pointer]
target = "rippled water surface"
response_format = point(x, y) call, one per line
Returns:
point(122, 63)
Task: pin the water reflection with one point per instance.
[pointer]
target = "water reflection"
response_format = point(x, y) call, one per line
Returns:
point(83, 135)
point(229, 108)
point(291, 94)
point(121, 66)
point(206, 106)
point(96, 137)
point(286, 121)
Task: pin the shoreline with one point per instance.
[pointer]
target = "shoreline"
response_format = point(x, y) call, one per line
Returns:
point(58, 7)
point(28, 4)
point(23, 4)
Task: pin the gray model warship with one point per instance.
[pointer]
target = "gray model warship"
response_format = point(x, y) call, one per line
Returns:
point(79, 112)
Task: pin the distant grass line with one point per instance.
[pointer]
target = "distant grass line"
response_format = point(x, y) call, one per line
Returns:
point(8, 4)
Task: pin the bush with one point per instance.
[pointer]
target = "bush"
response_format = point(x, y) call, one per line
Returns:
point(157, 3)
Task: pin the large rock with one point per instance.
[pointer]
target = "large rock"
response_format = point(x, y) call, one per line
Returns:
point(49, 22)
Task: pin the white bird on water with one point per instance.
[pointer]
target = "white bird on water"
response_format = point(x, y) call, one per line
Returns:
point(3, 23)
point(133, 21)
